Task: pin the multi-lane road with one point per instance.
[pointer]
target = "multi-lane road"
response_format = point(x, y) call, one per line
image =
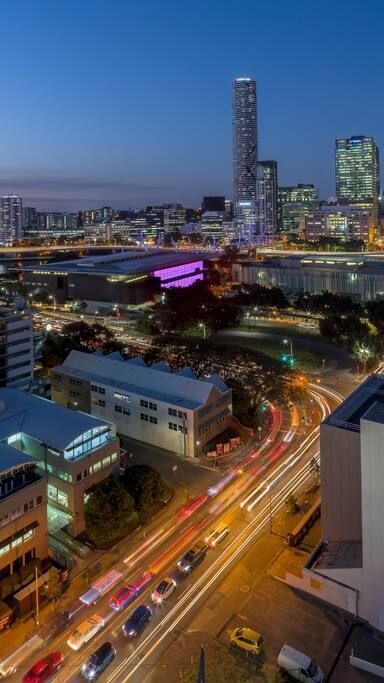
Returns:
point(246, 499)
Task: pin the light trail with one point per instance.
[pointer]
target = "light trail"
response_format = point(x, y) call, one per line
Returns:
point(213, 573)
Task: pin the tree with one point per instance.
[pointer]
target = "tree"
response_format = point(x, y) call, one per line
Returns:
point(108, 510)
point(53, 586)
point(145, 485)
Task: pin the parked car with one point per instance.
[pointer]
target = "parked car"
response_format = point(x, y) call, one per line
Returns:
point(248, 641)
point(299, 666)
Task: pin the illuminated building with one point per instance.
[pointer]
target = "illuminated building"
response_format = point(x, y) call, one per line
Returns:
point(11, 219)
point(174, 217)
point(293, 204)
point(16, 348)
point(127, 278)
point(244, 124)
point(358, 173)
point(174, 411)
point(341, 222)
point(212, 224)
point(73, 451)
point(267, 197)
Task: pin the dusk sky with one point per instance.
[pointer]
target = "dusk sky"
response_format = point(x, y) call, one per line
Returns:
point(128, 103)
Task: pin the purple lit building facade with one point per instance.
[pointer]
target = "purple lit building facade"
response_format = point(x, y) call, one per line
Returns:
point(117, 281)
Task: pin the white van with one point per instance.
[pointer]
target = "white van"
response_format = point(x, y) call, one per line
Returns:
point(299, 666)
point(85, 631)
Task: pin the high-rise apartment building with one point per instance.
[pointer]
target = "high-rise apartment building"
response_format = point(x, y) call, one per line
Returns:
point(212, 224)
point(244, 123)
point(11, 218)
point(267, 197)
point(357, 173)
point(174, 217)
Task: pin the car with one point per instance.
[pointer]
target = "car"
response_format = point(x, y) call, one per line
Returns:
point(218, 535)
point(163, 591)
point(137, 621)
point(98, 661)
point(248, 641)
point(45, 668)
point(85, 631)
point(192, 558)
point(123, 597)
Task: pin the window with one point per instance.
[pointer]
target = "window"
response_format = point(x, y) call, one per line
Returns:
point(5, 550)
point(121, 397)
point(182, 415)
point(85, 473)
point(30, 534)
point(143, 403)
point(183, 429)
point(106, 461)
point(101, 403)
point(114, 457)
point(144, 417)
point(172, 425)
point(78, 476)
point(153, 420)
point(124, 411)
point(25, 507)
point(101, 390)
point(75, 382)
point(153, 406)
point(97, 466)
point(39, 500)
point(14, 437)
point(172, 411)
point(93, 387)
point(62, 498)
point(17, 541)
point(74, 394)
point(31, 504)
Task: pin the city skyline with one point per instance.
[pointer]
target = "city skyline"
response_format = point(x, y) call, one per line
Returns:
point(107, 127)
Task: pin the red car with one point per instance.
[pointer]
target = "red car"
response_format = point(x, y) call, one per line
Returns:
point(45, 668)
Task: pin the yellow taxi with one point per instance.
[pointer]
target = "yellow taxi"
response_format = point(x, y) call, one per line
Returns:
point(248, 641)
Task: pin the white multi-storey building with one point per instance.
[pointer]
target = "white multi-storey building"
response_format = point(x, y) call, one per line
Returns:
point(16, 348)
point(11, 218)
point(173, 411)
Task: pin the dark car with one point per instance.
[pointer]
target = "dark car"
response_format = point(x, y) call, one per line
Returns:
point(137, 620)
point(192, 558)
point(98, 661)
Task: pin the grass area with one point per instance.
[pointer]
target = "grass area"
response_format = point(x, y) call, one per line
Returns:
point(307, 360)
point(283, 330)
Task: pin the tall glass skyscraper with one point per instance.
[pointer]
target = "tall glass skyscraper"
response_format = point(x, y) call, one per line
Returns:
point(357, 173)
point(244, 122)
point(266, 189)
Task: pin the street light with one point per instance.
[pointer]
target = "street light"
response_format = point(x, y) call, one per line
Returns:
point(204, 329)
point(289, 341)
point(37, 572)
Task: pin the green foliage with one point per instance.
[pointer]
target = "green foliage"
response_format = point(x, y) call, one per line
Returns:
point(188, 307)
point(53, 586)
point(79, 336)
point(327, 304)
point(146, 486)
point(375, 312)
point(344, 329)
point(262, 297)
point(108, 510)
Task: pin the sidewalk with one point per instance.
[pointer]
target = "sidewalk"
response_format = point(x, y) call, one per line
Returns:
point(99, 562)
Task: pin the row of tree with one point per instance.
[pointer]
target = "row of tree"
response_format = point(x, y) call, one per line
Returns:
point(115, 506)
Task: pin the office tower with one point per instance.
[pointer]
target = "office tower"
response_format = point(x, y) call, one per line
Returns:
point(174, 217)
point(340, 222)
point(357, 173)
point(11, 218)
point(266, 188)
point(244, 123)
point(213, 204)
point(212, 224)
point(229, 207)
point(293, 204)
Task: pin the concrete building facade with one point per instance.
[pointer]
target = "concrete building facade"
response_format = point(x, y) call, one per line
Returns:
point(173, 411)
